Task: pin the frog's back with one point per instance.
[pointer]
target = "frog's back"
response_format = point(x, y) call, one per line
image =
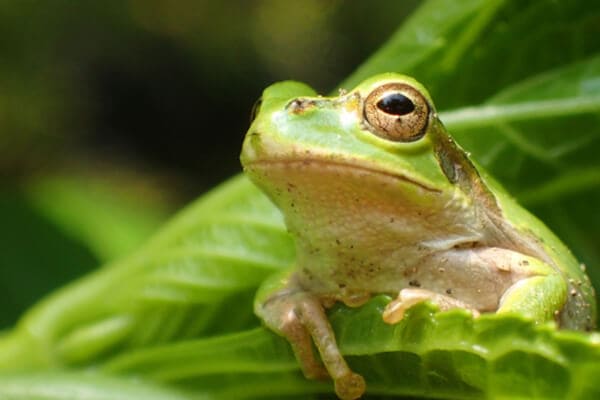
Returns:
point(579, 312)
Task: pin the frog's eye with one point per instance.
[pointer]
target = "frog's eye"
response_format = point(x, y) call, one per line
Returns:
point(397, 112)
point(255, 109)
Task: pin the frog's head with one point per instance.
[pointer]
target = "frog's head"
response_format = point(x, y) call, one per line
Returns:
point(386, 126)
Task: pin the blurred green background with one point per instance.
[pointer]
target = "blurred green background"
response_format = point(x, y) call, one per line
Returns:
point(113, 114)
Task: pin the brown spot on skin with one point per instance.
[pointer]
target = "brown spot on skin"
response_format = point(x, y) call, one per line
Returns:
point(448, 291)
point(414, 283)
point(307, 274)
point(504, 267)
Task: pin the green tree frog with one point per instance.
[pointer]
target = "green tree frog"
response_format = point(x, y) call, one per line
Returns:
point(381, 200)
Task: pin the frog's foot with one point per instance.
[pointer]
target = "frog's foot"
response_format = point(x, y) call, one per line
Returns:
point(299, 316)
point(299, 338)
point(394, 311)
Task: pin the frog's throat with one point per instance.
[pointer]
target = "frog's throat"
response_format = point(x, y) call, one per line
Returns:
point(340, 164)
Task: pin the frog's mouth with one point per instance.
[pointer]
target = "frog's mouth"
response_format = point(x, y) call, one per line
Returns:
point(354, 166)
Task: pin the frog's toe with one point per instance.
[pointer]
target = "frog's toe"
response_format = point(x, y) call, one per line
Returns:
point(350, 386)
point(407, 298)
point(394, 311)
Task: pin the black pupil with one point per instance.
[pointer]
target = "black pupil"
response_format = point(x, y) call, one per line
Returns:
point(396, 104)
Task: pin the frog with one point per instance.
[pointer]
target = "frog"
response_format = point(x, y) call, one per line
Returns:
point(380, 199)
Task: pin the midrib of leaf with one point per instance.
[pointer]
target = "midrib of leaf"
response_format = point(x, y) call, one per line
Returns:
point(486, 115)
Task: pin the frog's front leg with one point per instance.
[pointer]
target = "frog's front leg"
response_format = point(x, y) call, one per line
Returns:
point(298, 315)
point(485, 280)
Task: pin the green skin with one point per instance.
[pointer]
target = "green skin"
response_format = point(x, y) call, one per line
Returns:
point(410, 216)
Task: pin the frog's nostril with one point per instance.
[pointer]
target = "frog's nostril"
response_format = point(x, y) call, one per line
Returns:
point(250, 139)
point(300, 105)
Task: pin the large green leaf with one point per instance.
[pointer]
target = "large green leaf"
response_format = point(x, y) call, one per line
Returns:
point(207, 261)
point(446, 355)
